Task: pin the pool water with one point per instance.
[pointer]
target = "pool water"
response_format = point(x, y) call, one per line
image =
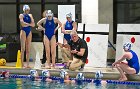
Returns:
point(18, 83)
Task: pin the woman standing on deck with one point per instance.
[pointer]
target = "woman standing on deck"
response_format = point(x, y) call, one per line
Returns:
point(26, 21)
point(49, 36)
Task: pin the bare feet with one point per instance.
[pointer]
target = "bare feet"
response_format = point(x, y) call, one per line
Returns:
point(52, 66)
point(123, 79)
point(28, 67)
point(47, 66)
point(120, 78)
point(23, 66)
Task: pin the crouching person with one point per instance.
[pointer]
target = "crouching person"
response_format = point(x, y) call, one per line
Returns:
point(132, 64)
point(79, 50)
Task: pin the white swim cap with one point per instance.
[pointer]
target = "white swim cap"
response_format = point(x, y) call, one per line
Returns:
point(26, 7)
point(49, 13)
point(33, 73)
point(127, 46)
point(69, 15)
point(45, 73)
point(80, 76)
point(63, 73)
point(98, 75)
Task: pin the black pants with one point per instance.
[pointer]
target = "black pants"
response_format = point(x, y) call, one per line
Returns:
point(44, 51)
point(44, 56)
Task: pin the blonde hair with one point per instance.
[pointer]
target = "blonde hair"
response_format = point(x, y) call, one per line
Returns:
point(73, 32)
point(44, 13)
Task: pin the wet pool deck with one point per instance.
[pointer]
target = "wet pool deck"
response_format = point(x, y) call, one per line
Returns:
point(89, 72)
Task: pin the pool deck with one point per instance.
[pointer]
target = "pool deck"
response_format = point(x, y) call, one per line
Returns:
point(89, 72)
